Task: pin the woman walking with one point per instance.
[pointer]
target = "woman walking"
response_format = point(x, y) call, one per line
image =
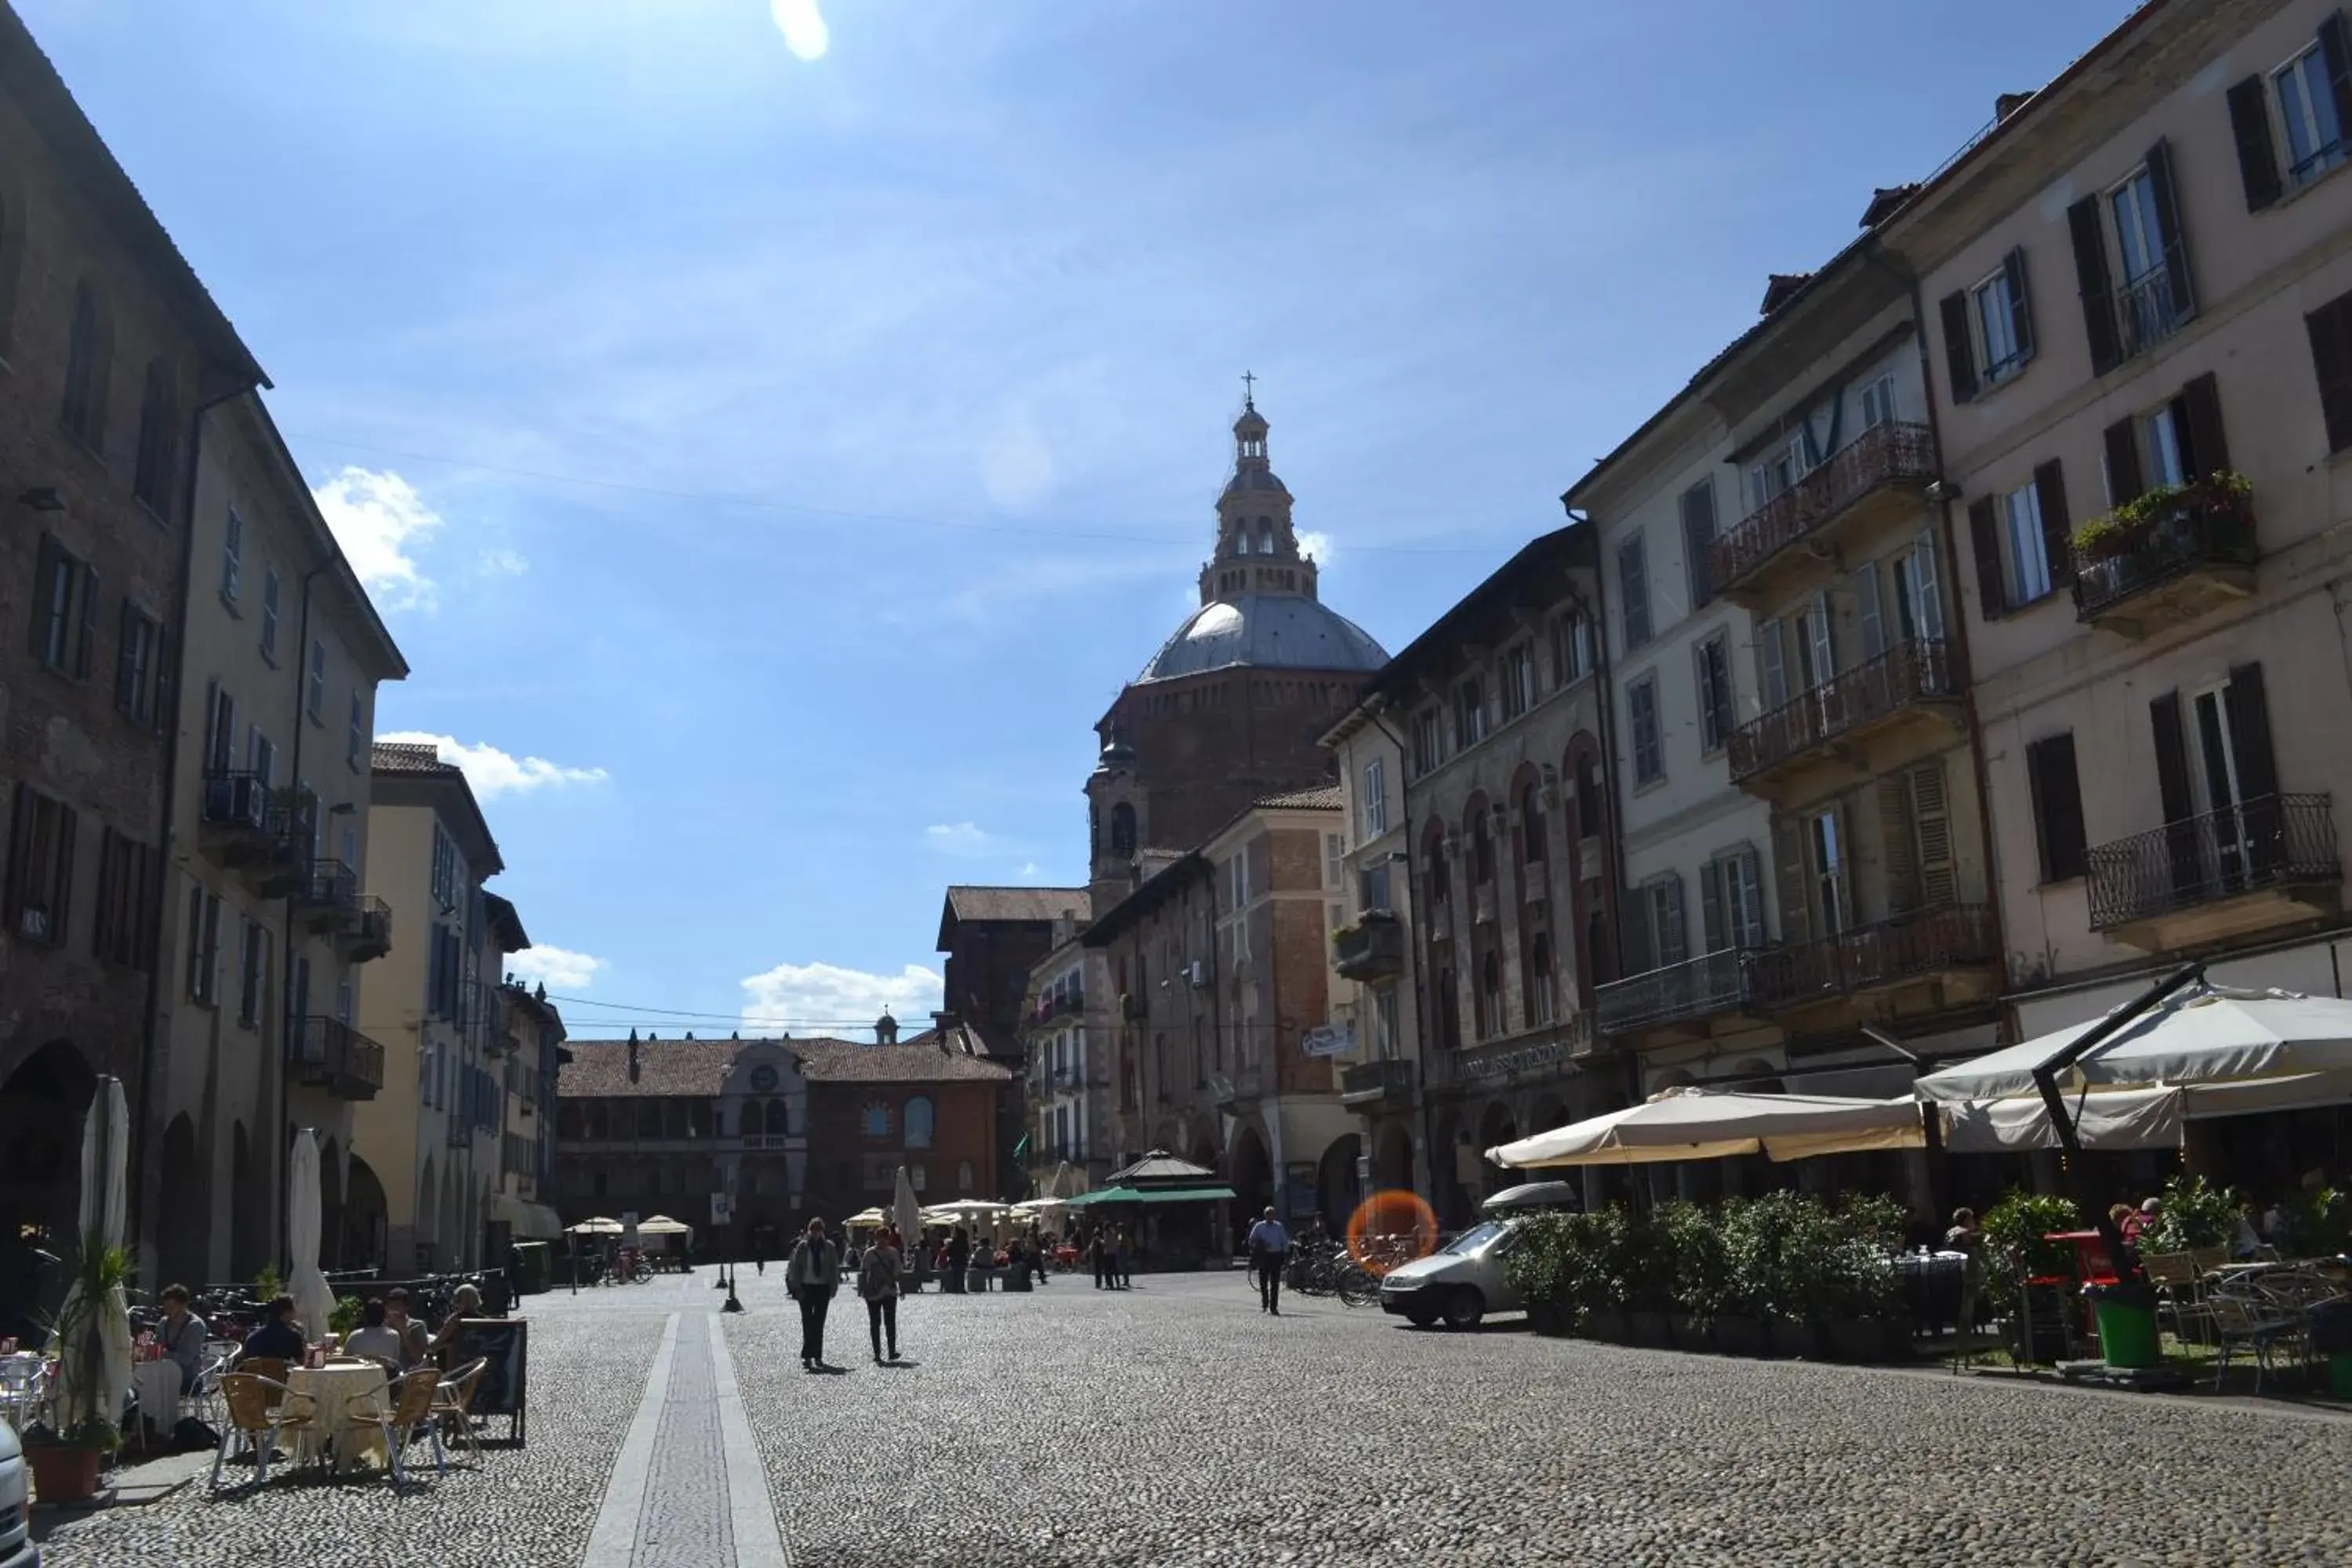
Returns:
point(878, 1283)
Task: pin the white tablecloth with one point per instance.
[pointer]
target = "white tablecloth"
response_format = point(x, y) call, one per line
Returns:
point(158, 1382)
point(332, 1388)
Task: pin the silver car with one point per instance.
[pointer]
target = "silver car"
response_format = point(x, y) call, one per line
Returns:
point(1460, 1282)
point(15, 1550)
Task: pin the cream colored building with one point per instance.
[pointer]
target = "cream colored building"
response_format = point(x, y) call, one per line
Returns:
point(1072, 1126)
point(432, 1140)
point(269, 910)
point(1374, 990)
point(2142, 278)
point(525, 1039)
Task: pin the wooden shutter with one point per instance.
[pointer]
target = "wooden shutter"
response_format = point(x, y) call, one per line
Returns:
point(2021, 302)
point(1873, 623)
point(1984, 542)
point(45, 568)
point(2250, 731)
point(2168, 228)
point(2057, 526)
point(2336, 51)
point(2091, 276)
point(1635, 936)
point(1899, 867)
point(85, 656)
point(2171, 758)
point(2330, 328)
point(1673, 937)
point(2124, 482)
point(126, 683)
point(1699, 539)
point(2250, 119)
point(1789, 871)
point(2209, 449)
point(1931, 827)
point(1710, 905)
point(1771, 665)
point(1959, 348)
point(2057, 791)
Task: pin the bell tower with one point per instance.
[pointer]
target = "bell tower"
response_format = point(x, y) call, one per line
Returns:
point(1115, 803)
point(1257, 548)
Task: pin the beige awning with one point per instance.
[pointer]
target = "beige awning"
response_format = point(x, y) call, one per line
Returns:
point(1708, 1124)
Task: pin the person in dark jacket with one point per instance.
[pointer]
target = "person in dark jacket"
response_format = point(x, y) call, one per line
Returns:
point(877, 1283)
point(280, 1336)
point(812, 1277)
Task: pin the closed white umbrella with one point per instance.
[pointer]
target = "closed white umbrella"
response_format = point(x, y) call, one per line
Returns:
point(1707, 1124)
point(314, 1303)
point(905, 1212)
point(2207, 1034)
point(105, 1183)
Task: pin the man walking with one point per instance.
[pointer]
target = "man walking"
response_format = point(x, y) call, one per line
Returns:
point(1098, 1248)
point(1268, 1244)
point(812, 1277)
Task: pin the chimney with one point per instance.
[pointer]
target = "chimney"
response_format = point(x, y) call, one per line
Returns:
point(1781, 287)
point(2009, 103)
point(633, 1055)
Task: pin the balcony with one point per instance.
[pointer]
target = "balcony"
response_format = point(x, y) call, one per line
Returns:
point(247, 827)
point(2146, 315)
point(1371, 949)
point(326, 895)
point(1691, 992)
point(1872, 476)
point(1909, 692)
point(2185, 553)
point(367, 934)
point(460, 1132)
point(327, 1053)
point(1951, 946)
point(2265, 862)
point(1369, 1085)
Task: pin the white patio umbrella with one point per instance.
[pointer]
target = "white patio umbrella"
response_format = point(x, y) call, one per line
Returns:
point(314, 1303)
point(2204, 1035)
point(904, 1212)
point(1708, 1124)
point(2129, 1118)
point(105, 1182)
point(596, 1225)
point(662, 1224)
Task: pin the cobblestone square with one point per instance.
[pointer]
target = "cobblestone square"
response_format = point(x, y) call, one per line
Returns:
point(1176, 1424)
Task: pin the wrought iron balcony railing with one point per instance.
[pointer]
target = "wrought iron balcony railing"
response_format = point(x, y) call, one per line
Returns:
point(1919, 670)
point(1371, 949)
point(1907, 947)
point(327, 1053)
point(1698, 988)
point(2205, 527)
point(1886, 454)
point(2270, 841)
point(1362, 1083)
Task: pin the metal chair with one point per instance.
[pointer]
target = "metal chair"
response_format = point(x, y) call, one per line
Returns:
point(453, 1399)
point(24, 1390)
point(258, 1410)
point(2180, 1290)
point(411, 1413)
point(2247, 1322)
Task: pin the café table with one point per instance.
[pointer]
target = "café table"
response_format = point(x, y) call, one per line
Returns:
point(158, 1382)
point(332, 1389)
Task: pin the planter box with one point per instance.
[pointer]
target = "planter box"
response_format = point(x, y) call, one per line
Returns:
point(1608, 1323)
point(64, 1472)
point(1653, 1330)
point(1740, 1335)
point(1867, 1340)
point(1692, 1334)
point(1790, 1337)
point(1548, 1318)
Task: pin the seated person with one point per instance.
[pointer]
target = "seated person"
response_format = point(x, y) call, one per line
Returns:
point(183, 1336)
point(464, 1302)
point(375, 1341)
point(279, 1338)
point(413, 1341)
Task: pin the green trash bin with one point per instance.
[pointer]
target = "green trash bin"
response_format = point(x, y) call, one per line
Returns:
point(528, 1267)
point(2126, 1318)
point(2339, 1374)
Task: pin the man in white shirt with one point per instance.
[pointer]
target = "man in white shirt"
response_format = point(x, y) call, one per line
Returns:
point(1268, 1244)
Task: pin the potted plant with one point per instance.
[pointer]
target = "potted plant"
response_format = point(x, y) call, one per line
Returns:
point(1744, 1300)
point(1643, 1271)
point(2220, 496)
point(1865, 1316)
point(1536, 1268)
point(1692, 1255)
point(66, 1459)
point(1598, 1290)
point(2013, 1232)
point(2192, 1213)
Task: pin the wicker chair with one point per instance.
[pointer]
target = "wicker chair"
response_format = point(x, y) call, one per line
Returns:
point(258, 1409)
point(410, 1411)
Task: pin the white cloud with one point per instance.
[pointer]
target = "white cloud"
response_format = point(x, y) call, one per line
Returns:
point(1314, 542)
point(557, 968)
point(492, 772)
point(826, 998)
point(962, 838)
point(1031, 871)
point(1016, 468)
point(379, 519)
point(802, 26)
point(504, 562)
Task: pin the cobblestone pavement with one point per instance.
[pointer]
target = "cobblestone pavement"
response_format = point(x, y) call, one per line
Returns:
point(1177, 1424)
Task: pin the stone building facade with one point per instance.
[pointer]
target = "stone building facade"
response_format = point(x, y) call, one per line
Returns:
point(111, 349)
point(993, 938)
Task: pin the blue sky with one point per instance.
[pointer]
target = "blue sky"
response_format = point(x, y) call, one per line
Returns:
point(771, 466)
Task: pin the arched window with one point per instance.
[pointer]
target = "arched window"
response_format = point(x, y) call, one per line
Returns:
point(918, 1122)
point(1481, 847)
point(1490, 994)
point(84, 403)
point(1598, 970)
point(151, 477)
point(876, 1121)
point(1589, 803)
point(1539, 978)
point(1531, 822)
point(1449, 1011)
point(1122, 829)
point(1265, 536)
point(780, 1121)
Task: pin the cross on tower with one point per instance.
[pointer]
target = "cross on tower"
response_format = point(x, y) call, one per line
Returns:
point(1249, 390)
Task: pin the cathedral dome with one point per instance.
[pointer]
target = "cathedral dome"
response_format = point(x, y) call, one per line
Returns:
point(1272, 631)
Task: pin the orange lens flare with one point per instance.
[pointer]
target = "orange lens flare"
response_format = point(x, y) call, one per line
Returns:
point(1389, 1229)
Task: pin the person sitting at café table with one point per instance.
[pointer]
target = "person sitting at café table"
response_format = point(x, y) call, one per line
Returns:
point(376, 1340)
point(2139, 1220)
point(413, 1341)
point(181, 1335)
point(466, 1301)
point(280, 1336)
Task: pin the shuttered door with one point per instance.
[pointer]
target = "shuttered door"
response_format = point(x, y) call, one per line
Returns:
point(2263, 822)
point(1959, 351)
point(1984, 543)
point(2089, 236)
point(2168, 229)
point(2172, 784)
point(1710, 903)
point(1931, 824)
point(2250, 122)
point(2208, 449)
point(1899, 864)
point(1874, 626)
point(2330, 328)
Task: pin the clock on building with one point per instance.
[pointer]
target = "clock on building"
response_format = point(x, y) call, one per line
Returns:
point(763, 1079)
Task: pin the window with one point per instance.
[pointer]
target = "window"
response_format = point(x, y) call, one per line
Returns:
point(260, 755)
point(1698, 541)
point(874, 1122)
point(1489, 1020)
point(1335, 850)
point(1571, 645)
point(40, 867)
point(1437, 876)
point(314, 691)
point(2139, 241)
point(2029, 566)
point(1372, 890)
point(1877, 401)
point(232, 557)
point(64, 601)
point(220, 730)
point(1518, 681)
point(253, 974)
point(84, 412)
point(270, 591)
point(355, 746)
point(1237, 879)
point(1590, 808)
point(918, 1122)
point(126, 902)
point(2330, 330)
point(1716, 716)
point(204, 947)
point(1482, 846)
point(2161, 461)
point(1428, 741)
point(2312, 131)
point(2131, 262)
point(1662, 911)
point(1771, 665)
point(1830, 896)
point(1816, 643)
point(1731, 899)
point(1649, 746)
point(1122, 827)
point(963, 1175)
point(1778, 470)
point(1384, 1022)
point(1633, 592)
point(151, 473)
point(1531, 823)
point(2057, 806)
point(1376, 797)
point(138, 667)
point(1540, 978)
point(444, 870)
point(1469, 715)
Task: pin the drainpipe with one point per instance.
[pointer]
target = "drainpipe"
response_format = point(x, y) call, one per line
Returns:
point(282, 1172)
point(159, 886)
